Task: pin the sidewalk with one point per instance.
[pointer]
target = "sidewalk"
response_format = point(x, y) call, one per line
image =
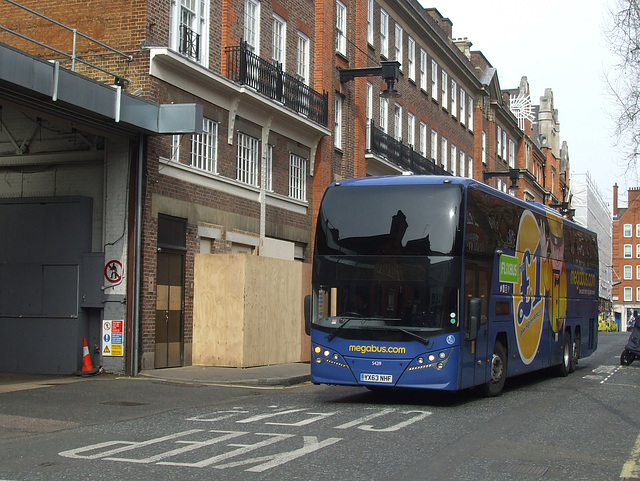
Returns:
point(275, 375)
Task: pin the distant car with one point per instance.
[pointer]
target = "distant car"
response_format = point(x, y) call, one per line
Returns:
point(607, 326)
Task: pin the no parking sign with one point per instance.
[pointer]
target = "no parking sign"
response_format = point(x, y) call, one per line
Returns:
point(112, 338)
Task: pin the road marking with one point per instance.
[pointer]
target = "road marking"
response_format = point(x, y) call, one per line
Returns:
point(631, 468)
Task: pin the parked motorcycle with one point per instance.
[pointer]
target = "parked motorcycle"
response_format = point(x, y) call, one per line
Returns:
point(632, 349)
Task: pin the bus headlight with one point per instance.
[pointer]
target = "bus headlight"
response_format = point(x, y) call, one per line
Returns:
point(442, 355)
point(432, 357)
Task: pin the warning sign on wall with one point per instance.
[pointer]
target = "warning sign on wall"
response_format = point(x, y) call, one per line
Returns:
point(112, 338)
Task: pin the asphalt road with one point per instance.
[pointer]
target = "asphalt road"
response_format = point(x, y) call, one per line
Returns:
point(582, 427)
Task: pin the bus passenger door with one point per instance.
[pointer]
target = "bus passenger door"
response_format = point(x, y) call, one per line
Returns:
point(477, 284)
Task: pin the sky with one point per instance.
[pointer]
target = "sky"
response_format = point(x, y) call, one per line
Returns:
point(557, 44)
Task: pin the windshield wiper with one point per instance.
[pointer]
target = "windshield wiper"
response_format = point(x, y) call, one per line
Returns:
point(334, 333)
point(410, 334)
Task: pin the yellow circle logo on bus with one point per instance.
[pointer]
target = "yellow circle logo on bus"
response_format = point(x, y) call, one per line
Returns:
point(529, 299)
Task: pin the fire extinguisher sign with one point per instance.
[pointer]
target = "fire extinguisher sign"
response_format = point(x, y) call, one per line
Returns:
point(112, 338)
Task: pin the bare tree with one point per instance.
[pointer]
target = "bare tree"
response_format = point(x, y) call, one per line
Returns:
point(623, 35)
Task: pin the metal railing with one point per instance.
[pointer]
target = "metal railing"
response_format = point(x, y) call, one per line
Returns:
point(189, 42)
point(400, 154)
point(246, 68)
point(75, 34)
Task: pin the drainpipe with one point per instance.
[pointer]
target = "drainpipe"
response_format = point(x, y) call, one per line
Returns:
point(138, 254)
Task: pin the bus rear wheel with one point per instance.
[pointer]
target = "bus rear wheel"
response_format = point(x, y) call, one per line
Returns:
point(498, 372)
point(567, 355)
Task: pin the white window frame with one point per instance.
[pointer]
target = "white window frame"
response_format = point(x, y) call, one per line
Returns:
point(444, 151)
point(454, 98)
point(626, 231)
point(638, 251)
point(484, 147)
point(444, 84)
point(384, 33)
point(337, 130)
point(399, 32)
point(297, 177)
point(627, 251)
point(434, 79)
point(174, 155)
point(341, 28)
point(461, 163)
point(397, 122)
point(463, 107)
point(370, 5)
point(499, 141)
point(252, 25)
point(434, 146)
point(423, 70)
point(470, 113)
point(247, 159)
point(302, 58)
point(411, 58)
point(279, 41)
point(269, 180)
point(628, 293)
point(411, 130)
point(637, 230)
point(628, 273)
point(384, 115)
point(423, 139)
point(204, 147)
point(453, 160)
point(470, 167)
point(638, 272)
point(195, 15)
point(512, 154)
point(369, 113)
point(504, 144)
point(638, 294)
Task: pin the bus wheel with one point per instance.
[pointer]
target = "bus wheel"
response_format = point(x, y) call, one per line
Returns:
point(565, 366)
point(498, 372)
point(575, 353)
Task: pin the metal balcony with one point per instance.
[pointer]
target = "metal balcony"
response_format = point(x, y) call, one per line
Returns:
point(189, 42)
point(402, 155)
point(246, 68)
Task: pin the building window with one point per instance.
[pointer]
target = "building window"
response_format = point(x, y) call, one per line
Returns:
point(504, 144)
point(370, 22)
point(637, 294)
point(341, 28)
point(297, 177)
point(384, 114)
point(423, 139)
point(269, 183)
point(445, 87)
point(637, 230)
point(252, 25)
point(470, 167)
point(411, 130)
point(453, 158)
point(444, 150)
point(638, 251)
point(411, 59)
point(484, 147)
point(627, 273)
point(384, 33)
point(204, 151)
point(627, 251)
point(454, 98)
point(247, 162)
point(337, 131)
point(279, 41)
point(470, 112)
point(498, 140)
point(434, 146)
point(627, 294)
point(434, 79)
point(463, 107)
point(302, 62)
point(189, 32)
point(627, 230)
point(512, 154)
point(423, 70)
point(397, 123)
point(398, 44)
point(175, 148)
point(461, 165)
point(638, 272)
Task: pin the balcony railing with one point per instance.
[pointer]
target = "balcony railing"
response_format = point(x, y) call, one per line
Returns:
point(246, 68)
point(402, 155)
point(189, 42)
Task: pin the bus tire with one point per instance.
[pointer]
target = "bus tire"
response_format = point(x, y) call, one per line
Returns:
point(575, 352)
point(564, 368)
point(498, 372)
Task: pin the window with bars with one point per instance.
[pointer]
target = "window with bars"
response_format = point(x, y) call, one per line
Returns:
point(297, 177)
point(247, 161)
point(204, 147)
point(188, 32)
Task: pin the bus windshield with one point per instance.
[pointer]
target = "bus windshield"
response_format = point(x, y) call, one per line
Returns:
point(387, 261)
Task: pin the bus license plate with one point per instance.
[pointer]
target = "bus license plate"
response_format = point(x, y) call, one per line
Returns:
point(386, 378)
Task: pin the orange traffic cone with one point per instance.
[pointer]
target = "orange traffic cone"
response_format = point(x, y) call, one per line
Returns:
point(87, 365)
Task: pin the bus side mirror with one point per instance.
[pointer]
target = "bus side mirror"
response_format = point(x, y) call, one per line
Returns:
point(307, 315)
point(473, 319)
